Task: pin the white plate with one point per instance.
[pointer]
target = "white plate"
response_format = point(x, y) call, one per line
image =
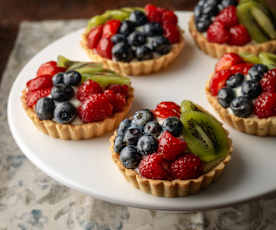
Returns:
point(87, 165)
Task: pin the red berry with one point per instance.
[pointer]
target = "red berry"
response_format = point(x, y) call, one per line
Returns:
point(241, 68)
point(265, 105)
point(122, 89)
point(49, 68)
point(33, 96)
point(110, 28)
point(228, 60)
point(171, 32)
point(239, 35)
point(95, 108)
point(116, 99)
point(149, 8)
point(94, 36)
point(41, 82)
point(153, 14)
point(218, 81)
point(187, 167)
point(154, 166)
point(170, 147)
point(87, 89)
point(228, 17)
point(169, 16)
point(104, 48)
point(161, 10)
point(167, 109)
point(218, 33)
point(268, 82)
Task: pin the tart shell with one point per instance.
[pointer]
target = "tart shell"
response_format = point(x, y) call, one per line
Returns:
point(218, 50)
point(136, 67)
point(79, 131)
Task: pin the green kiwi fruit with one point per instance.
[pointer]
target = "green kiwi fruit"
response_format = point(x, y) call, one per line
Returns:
point(106, 78)
point(251, 58)
point(268, 59)
point(187, 106)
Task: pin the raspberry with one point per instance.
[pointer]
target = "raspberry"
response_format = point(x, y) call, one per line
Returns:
point(167, 109)
point(41, 82)
point(95, 108)
point(49, 68)
point(153, 14)
point(171, 32)
point(122, 89)
point(149, 8)
point(228, 17)
point(94, 36)
point(265, 105)
point(116, 99)
point(87, 89)
point(154, 166)
point(110, 28)
point(187, 167)
point(170, 147)
point(241, 68)
point(218, 33)
point(239, 35)
point(218, 81)
point(168, 16)
point(104, 48)
point(33, 96)
point(228, 60)
point(161, 10)
point(268, 82)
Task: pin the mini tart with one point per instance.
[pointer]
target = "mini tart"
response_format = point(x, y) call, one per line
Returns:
point(252, 125)
point(79, 131)
point(136, 67)
point(218, 50)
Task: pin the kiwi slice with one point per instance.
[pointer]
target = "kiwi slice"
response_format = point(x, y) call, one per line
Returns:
point(251, 58)
point(105, 79)
point(187, 106)
point(97, 20)
point(116, 14)
point(268, 59)
point(204, 135)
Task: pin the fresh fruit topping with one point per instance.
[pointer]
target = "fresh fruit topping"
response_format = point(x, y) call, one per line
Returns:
point(119, 144)
point(72, 78)
point(94, 36)
point(251, 58)
point(171, 32)
point(153, 128)
point(116, 99)
point(62, 92)
point(104, 48)
point(143, 53)
point(228, 60)
point(44, 108)
point(228, 17)
point(160, 44)
point(167, 109)
point(129, 157)
point(218, 33)
point(225, 97)
point(126, 27)
point(122, 52)
point(123, 126)
point(239, 35)
point(153, 14)
point(251, 89)
point(257, 71)
point(95, 108)
point(141, 117)
point(154, 166)
point(40, 82)
point(49, 68)
point(187, 106)
point(235, 80)
point(186, 167)
point(87, 89)
point(173, 125)
point(170, 147)
point(241, 68)
point(152, 29)
point(118, 38)
point(65, 113)
point(265, 105)
point(268, 59)
point(138, 18)
point(242, 106)
point(105, 79)
point(96, 21)
point(225, 3)
point(132, 135)
point(121, 89)
point(147, 144)
point(58, 79)
point(218, 81)
point(110, 28)
point(169, 17)
point(136, 38)
point(33, 96)
point(268, 82)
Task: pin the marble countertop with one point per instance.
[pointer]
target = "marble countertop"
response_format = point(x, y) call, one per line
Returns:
point(30, 200)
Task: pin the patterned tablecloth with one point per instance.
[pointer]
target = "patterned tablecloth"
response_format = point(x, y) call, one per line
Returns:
point(29, 199)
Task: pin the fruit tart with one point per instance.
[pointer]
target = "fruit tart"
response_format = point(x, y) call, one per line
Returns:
point(134, 41)
point(172, 151)
point(76, 100)
point(223, 26)
point(243, 91)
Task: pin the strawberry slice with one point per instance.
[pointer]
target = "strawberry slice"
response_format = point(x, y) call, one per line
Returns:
point(33, 96)
point(218, 81)
point(167, 109)
point(40, 82)
point(94, 36)
point(228, 60)
point(110, 28)
point(241, 68)
point(49, 68)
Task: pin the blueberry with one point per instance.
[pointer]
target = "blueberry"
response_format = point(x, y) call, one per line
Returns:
point(242, 106)
point(225, 3)
point(58, 78)
point(141, 117)
point(197, 11)
point(257, 71)
point(173, 125)
point(65, 113)
point(152, 29)
point(44, 108)
point(123, 126)
point(136, 38)
point(129, 157)
point(235, 80)
point(210, 8)
point(132, 135)
point(147, 144)
point(160, 44)
point(119, 143)
point(203, 23)
point(251, 89)
point(122, 52)
point(153, 128)
point(118, 38)
point(143, 53)
point(126, 27)
point(138, 18)
point(72, 78)
point(62, 92)
point(225, 97)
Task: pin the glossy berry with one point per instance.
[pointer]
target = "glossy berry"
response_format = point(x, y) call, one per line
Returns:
point(203, 23)
point(257, 71)
point(104, 48)
point(153, 14)
point(62, 92)
point(225, 97)
point(118, 143)
point(152, 29)
point(49, 68)
point(171, 32)
point(138, 18)
point(72, 78)
point(167, 109)
point(265, 105)
point(143, 53)
point(153, 128)
point(116, 99)
point(132, 135)
point(129, 157)
point(228, 17)
point(225, 3)
point(251, 89)
point(40, 82)
point(186, 167)
point(33, 96)
point(242, 106)
point(87, 89)
point(136, 38)
point(94, 36)
point(58, 78)
point(123, 126)
point(210, 8)
point(65, 113)
point(126, 27)
point(141, 117)
point(169, 17)
point(239, 35)
point(160, 44)
point(268, 82)
point(44, 108)
point(122, 89)
point(122, 52)
point(110, 28)
point(235, 80)
point(118, 38)
point(147, 144)
point(227, 61)
point(173, 125)
point(241, 68)
point(218, 81)
point(218, 33)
